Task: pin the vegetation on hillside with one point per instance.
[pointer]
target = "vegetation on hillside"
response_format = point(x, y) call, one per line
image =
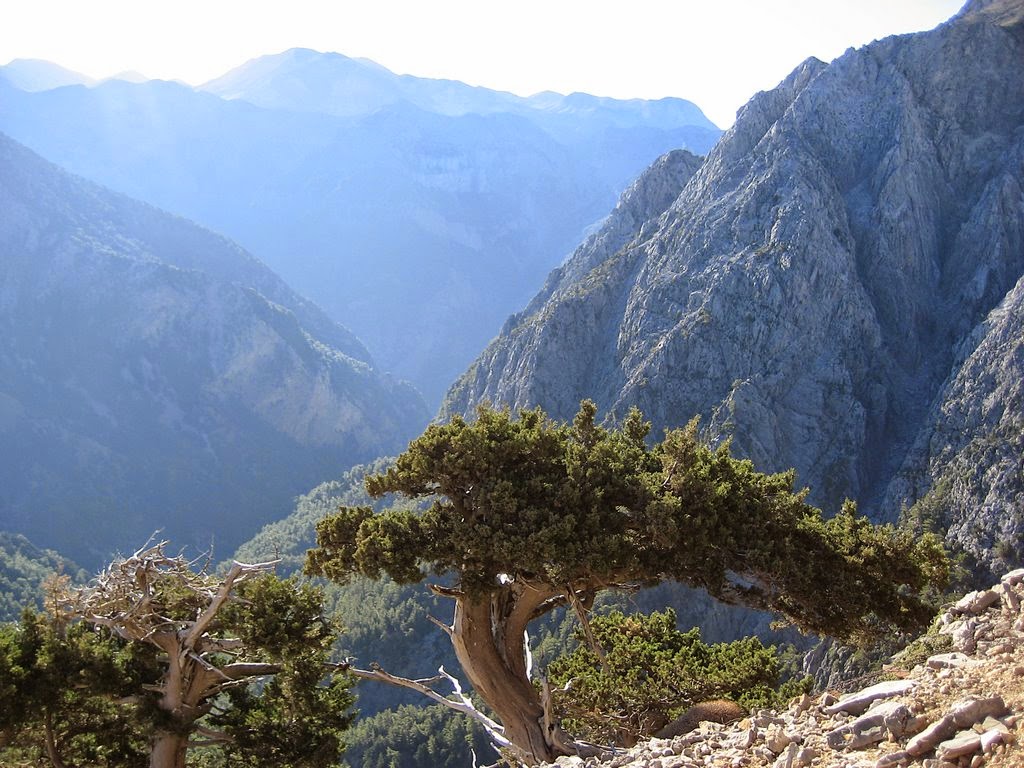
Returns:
point(23, 568)
point(648, 672)
point(529, 515)
point(154, 659)
point(416, 737)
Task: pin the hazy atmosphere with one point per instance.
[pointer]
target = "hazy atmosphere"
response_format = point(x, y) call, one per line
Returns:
point(714, 54)
point(512, 385)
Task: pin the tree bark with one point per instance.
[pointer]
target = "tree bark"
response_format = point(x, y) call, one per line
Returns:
point(168, 750)
point(51, 742)
point(488, 634)
point(169, 747)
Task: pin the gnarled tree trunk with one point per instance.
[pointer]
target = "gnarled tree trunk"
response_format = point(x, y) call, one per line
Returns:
point(488, 634)
point(168, 750)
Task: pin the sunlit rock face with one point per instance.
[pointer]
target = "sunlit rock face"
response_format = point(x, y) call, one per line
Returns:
point(833, 288)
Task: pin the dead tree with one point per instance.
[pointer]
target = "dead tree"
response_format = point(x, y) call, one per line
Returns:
point(152, 597)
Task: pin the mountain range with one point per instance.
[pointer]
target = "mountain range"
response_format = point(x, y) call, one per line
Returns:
point(419, 213)
point(38, 75)
point(154, 375)
point(838, 286)
point(835, 288)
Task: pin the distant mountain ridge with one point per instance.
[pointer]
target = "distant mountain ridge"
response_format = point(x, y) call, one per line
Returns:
point(39, 75)
point(418, 229)
point(833, 288)
point(302, 79)
point(153, 375)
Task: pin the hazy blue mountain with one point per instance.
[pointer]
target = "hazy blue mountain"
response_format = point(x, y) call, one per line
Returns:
point(420, 218)
point(155, 375)
point(39, 75)
point(310, 81)
point(129, 76)
point(331, 83)
point(833, 288)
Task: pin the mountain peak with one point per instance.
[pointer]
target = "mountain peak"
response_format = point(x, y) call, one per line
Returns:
point(813, 289)
point(305, 80)
point(129, 76)
point(1006, 13)
point(38, 75)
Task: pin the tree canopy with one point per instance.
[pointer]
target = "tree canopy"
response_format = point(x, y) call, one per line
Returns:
point(528, 514)
point(153, 658)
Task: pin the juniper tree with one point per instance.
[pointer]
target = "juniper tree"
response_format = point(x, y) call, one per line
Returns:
point(67, 693)
point(527, 515)
point(237, 662)
point(649, 672)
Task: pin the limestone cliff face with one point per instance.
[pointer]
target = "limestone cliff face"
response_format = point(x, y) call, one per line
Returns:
point(811, 288)
point(966, 470)
point(568, 323)
point(155, 376)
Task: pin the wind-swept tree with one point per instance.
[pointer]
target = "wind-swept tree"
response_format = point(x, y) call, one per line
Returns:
point(237, 662)
point(528, 515)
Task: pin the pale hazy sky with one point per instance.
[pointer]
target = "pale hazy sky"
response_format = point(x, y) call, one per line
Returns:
point(716, 53)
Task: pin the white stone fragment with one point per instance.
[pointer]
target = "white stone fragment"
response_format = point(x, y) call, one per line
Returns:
point(787, 759)
point(570, 761)
point(964, 636)
point(1013, 578)
point(887, 761)
point(805, 757)
point(952, 660)
point(858, 702)
point(976, 602)
point(776, 739)
point(991, 739)
point(962, 744)
point(951, 626)
point(871, 727)
point(926, 740)
point(970, 711)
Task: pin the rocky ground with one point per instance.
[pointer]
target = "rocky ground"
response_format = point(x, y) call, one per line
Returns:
point(960, 708)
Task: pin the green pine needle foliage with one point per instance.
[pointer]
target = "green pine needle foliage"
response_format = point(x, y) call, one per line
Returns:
point(652, 672)
point(525, 498)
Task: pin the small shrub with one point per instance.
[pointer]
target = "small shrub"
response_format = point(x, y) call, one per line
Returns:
point(652, 672)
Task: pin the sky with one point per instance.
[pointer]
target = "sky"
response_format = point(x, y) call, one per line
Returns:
point(716, 53)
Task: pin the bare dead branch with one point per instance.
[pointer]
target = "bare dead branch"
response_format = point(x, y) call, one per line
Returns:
point(440, 625)
point(210, 733)
point(208, 615)
point(241, 670)
point(461, 703)
point(239, 572)
point(588, 631)
point(449, 592)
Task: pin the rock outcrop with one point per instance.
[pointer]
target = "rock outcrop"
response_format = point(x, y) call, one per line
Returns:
point(834, 288)
point(155, 375)
point(964, 708)
point(966, 470)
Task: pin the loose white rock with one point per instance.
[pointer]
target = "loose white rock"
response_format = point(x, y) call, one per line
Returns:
point(856, 703)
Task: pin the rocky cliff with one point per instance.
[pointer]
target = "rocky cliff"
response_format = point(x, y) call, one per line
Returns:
point(833, 288)
point(155, 375)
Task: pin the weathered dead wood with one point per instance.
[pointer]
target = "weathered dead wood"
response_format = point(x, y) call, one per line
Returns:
point(128, 598)
point(457, 700)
